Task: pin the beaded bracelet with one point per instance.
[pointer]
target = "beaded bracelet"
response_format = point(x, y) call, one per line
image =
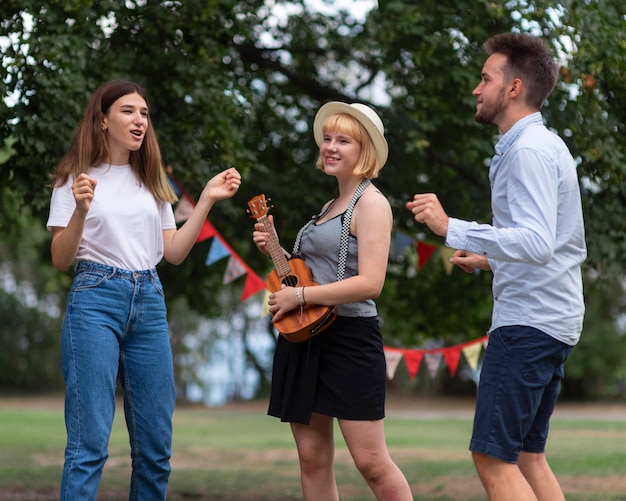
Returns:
point(299, 296)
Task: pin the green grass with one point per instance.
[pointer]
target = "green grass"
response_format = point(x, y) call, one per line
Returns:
point(222, 454)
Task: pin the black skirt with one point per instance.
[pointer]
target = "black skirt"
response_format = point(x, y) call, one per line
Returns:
point(341, 372)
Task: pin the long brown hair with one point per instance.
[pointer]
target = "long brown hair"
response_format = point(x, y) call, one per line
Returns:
point(90, 147)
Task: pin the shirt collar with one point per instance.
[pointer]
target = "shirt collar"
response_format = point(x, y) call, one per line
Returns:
point(513, 133)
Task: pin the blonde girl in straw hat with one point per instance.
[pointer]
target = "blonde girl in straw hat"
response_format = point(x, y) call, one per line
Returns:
point(340, 373)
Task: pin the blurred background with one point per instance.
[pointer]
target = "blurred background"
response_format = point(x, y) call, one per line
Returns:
point(237, 83)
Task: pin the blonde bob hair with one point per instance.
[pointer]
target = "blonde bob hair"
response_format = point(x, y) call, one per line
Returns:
point(367, 165)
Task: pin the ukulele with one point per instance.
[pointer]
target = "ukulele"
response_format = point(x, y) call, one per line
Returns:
point(304, 322)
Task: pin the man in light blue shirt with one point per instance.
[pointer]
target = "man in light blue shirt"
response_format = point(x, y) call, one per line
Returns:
point(535, 247)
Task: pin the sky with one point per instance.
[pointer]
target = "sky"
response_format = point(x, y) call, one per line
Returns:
point(358, 8)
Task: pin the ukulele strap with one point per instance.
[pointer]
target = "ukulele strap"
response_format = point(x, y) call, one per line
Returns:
point(345, 229)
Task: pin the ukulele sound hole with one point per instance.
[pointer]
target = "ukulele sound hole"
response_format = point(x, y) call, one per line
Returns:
point(290, 280)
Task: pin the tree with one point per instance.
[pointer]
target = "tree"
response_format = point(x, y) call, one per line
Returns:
point(593, 122)
point(235, 83)
point(30, 296)
point(597, 361)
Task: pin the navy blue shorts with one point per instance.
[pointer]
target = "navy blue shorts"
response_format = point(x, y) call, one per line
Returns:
point(520, 380)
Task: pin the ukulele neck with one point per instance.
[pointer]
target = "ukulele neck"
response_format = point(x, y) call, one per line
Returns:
point(276, 252)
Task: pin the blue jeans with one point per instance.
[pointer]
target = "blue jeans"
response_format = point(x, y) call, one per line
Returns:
point(116, 326)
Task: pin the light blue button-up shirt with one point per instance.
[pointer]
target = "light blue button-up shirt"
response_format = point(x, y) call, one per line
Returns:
point(536, 243)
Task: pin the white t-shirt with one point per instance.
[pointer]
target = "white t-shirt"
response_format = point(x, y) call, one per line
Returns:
point(124, 223)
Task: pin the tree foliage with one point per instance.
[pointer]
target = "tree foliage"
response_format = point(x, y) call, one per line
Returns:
point(238, 83)
point(30, 296)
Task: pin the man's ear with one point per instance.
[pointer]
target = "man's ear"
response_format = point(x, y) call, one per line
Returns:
point(516, 87)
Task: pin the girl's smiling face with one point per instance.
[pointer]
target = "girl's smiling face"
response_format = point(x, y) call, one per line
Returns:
point(339, 152)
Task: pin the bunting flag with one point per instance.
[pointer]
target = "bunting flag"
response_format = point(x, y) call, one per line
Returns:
point(237, 267)
point(400, 242)
point(392, 358)
point(452, 358)
point(234, 270)
point(433, 360)
point(472, 354)
point(424, 251)
point(207, 231)
point(219, 249)
point(183, 210)
point(216, 252)
point(446, 254)
point(413, 359)
point(450, 354)
point(173, 182)
point(254, 284)
point(266, 307)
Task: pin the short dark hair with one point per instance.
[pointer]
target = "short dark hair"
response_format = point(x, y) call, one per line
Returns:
point(530, 59)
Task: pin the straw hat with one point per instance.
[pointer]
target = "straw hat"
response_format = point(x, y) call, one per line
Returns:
point(364, 114)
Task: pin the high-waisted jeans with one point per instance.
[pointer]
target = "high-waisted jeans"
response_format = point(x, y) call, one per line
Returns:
point(116, 326)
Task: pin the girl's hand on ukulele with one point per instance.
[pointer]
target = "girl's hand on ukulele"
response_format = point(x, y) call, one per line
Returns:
point(260, 236)
point(282, 302)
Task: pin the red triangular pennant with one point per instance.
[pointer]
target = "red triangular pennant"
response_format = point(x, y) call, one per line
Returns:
point(207, 231)
point(452, 356)
point(254, 284)
point(424, 251)
point(413, 359)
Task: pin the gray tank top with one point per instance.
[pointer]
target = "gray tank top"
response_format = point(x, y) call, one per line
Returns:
point(319, 247)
